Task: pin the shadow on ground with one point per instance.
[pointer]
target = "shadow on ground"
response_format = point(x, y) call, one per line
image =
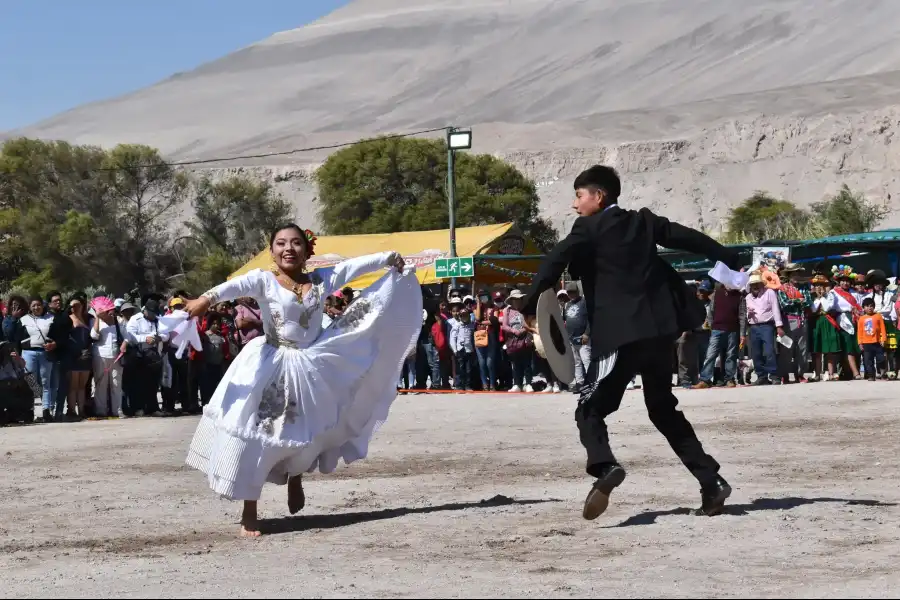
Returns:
point(760, 504)
point(307, 522)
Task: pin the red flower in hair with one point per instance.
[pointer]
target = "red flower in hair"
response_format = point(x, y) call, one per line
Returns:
point(311, 239)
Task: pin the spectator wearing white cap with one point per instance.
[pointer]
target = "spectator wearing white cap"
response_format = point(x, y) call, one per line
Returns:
point(519, 344)
point(462, 343)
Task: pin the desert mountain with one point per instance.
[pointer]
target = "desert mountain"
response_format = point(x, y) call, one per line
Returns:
point(697, 102)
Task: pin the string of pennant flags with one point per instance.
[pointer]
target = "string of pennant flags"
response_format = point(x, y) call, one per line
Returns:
point(507, 271)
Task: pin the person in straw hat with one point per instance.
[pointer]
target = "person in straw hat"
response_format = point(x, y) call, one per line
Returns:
point(764, 324)
point(826, 341)
point(843, 308)
point(795, 302)
point(519, 342)
point(637, 306)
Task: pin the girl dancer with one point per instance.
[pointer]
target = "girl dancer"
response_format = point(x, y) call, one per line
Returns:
point(300, 398)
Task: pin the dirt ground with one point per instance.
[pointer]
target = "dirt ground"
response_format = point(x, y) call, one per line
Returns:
point(475, 495)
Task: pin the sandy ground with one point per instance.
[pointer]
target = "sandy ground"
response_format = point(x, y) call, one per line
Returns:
point(472, 495)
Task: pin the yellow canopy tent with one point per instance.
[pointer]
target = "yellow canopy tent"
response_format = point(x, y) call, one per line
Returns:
point(423, 248)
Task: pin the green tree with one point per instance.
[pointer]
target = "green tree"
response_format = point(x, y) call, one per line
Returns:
point(74, 216)
point(209, 270)
point(848, 212)
point(762, 217)
point(233, 218)
point(142, 188)
point(236, 214)
point(40, 184)
point(387, 185)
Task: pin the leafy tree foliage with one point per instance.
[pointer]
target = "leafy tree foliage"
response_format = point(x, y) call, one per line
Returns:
point(77, 217)
point(237, 214)
point(763, 217)
point(848, 212)
point(387, 185)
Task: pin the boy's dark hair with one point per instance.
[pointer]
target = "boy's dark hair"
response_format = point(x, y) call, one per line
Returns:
point(601, 177)
point(868, 302)
point(53, 295)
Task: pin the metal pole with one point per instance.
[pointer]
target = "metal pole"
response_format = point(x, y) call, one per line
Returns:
point(451, 193)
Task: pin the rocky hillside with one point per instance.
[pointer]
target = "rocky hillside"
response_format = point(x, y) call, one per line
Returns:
point(696, 178)
point(698, 102)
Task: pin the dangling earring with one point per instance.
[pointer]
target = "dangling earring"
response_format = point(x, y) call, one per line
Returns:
point(274, 268)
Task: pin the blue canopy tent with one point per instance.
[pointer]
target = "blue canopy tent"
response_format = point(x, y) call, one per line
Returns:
point(862, 251)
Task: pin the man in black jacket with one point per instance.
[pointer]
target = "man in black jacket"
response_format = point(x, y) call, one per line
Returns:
point(637, 306)
point(60, 330)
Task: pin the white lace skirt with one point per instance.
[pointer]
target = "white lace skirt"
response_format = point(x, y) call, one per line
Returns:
point(282, 411)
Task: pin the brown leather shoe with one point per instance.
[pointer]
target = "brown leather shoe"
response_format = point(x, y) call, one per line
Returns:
point(597, 499)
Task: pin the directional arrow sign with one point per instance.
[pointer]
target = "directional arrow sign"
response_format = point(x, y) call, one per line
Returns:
point(444, 268)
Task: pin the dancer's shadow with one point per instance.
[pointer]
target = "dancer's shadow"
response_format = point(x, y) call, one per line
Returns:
point(305, 522)
point(649, 517)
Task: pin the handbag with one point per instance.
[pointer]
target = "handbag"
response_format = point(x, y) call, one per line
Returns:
point(517, 344)
point(481, 338)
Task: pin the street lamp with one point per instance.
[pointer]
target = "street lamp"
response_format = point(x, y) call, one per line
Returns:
point(457, 139)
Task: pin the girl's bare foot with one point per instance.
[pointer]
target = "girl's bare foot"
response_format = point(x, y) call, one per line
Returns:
point(296, 497)
point(249, 521)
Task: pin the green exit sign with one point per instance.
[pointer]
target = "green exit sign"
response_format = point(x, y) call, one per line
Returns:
point(461, 266)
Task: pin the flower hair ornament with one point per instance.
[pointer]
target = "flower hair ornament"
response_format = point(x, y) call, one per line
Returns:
point(311, 242)
point(843, 272)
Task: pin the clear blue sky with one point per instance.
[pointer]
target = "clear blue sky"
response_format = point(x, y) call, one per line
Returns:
point(57, 54)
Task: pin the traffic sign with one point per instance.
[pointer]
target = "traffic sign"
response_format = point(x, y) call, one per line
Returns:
point(463, 266)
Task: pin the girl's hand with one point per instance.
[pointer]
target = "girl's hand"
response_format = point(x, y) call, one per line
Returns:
point(198, 307)
point(396, 261)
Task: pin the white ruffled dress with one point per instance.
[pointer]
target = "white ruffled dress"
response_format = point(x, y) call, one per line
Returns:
point(303, 397)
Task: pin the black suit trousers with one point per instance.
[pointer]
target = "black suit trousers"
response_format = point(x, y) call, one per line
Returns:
point(652, 359)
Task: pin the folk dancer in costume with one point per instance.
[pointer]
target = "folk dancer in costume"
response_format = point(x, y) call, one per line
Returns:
point(885, 305)
point(637, 306)
point(844, 308)
point(826, 330)
point(300, 398)
point(795, 302)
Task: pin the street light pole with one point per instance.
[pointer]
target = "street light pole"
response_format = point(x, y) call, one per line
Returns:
point(451, 196)
point(457, 139)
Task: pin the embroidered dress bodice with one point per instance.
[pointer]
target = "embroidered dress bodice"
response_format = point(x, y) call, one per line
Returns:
point(291, 321)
